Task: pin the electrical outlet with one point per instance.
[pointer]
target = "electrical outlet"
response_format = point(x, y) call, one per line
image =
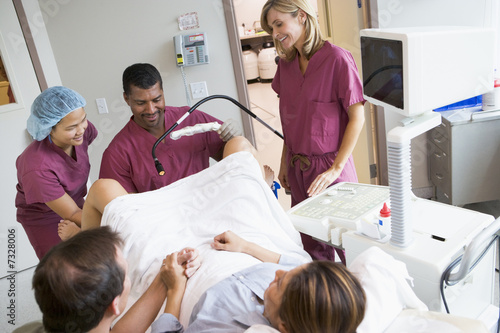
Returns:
point(101, 105)
point(199, 89)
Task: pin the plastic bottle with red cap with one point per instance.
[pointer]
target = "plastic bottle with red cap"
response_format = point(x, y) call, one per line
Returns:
point(384, 219)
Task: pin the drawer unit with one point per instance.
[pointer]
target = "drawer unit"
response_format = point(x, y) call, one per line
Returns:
point(464, 159)
point(440, 177)
point(439, 136)
point(439, 159)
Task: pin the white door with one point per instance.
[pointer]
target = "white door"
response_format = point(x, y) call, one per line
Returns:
point(16, 252)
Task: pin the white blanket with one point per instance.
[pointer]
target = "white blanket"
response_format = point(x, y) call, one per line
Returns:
point(231, 195)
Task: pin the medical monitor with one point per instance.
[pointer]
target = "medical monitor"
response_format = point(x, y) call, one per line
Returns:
point(414, 70)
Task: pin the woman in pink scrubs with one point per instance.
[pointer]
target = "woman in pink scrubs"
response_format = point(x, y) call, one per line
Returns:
point(52, 171)
point(321, 106)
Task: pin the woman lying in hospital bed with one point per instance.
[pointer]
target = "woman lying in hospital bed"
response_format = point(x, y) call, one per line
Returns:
point(232, 195)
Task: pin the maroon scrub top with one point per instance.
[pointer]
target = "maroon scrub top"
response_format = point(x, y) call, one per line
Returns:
point(313, 111)
point(314, 116)
point(128, 157)
point(45, 173)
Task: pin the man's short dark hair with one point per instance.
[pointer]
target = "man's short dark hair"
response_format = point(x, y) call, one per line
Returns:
point(78, 279)
point(142, 76)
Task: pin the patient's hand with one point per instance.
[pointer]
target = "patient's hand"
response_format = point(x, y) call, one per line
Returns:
point(189, 258)
point(172, 273)
point(229, 241)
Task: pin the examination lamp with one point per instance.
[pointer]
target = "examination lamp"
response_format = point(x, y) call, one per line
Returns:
point(158, 165)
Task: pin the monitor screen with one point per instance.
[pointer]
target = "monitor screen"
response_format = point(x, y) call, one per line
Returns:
point(382, 69)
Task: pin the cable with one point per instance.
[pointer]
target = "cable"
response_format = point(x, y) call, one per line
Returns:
point(159, 166)
point(449, 269)
point(441, 282)
point(188, 99)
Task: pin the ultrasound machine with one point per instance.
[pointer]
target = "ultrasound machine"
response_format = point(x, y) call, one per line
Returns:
point(447, 249)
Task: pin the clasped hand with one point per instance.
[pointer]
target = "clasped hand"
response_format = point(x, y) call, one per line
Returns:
point(177, 267)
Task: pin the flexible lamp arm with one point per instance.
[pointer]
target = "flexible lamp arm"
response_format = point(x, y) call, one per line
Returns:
point(159, 167)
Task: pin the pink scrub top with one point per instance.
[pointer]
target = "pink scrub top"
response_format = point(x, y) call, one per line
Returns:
point(128, 157)
point(45, 173)
point(313, 111)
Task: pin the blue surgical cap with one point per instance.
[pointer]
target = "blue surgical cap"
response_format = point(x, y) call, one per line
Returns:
point(52, 105)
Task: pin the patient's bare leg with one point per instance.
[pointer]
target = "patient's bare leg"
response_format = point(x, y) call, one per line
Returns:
point(100, 194)
point(237, 144)
point(240, 143)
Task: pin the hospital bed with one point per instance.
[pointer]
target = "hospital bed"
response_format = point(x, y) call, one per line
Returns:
point(233, 195)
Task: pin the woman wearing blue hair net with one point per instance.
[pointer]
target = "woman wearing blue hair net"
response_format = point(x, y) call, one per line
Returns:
point(53, 170)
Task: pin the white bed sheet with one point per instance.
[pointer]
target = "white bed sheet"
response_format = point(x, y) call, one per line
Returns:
point(230, 195)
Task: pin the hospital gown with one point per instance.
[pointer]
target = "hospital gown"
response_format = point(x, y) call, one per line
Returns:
point(128, 157)
point(45, 173)
point(232, 305)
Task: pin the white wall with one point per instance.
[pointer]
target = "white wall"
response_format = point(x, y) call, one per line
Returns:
point(248, 11)
point(94, 41)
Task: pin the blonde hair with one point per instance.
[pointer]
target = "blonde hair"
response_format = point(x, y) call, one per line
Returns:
point(323, 297)
point(313, 39)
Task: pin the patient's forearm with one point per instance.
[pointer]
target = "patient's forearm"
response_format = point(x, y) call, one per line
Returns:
point(142, 314)
point(229, 241)
point(261, 253)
